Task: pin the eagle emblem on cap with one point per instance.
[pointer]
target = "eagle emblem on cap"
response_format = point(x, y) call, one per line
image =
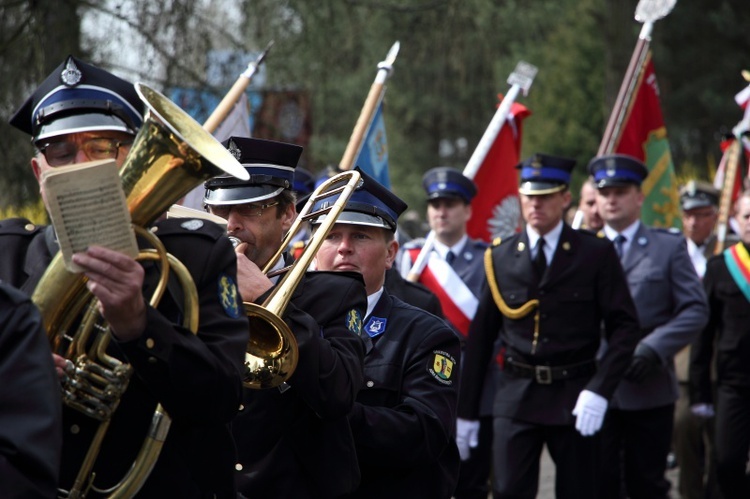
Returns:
point(70, 75)
point(234, 150)
point(611, 167)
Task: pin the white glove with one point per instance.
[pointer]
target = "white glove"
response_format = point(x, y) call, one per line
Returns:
point(467, 436)
point(703, 410)
point(589, 412)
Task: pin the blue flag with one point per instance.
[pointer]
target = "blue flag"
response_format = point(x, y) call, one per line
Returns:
point(373, 156)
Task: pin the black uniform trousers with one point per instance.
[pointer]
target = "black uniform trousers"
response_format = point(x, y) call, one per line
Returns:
point(732, 440)
point(518, 448)
point(645, 436)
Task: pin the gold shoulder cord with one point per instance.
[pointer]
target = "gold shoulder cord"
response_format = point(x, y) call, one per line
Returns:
point(510, 313)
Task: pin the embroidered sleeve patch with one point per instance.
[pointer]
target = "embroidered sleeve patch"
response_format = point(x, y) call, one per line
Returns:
point(441, 367)
point(354, 322)
point(228, 296)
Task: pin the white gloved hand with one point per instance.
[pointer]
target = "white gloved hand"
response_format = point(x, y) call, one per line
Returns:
point(467, 436)
point(703, 410)
point(589, 412)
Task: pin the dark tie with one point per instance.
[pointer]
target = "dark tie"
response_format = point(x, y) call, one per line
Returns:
point(620, 245)
point(449, 257)
point(540, 260)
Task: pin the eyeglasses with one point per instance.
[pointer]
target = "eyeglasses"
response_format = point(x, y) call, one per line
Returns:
point(243, 210)
point(64, 152)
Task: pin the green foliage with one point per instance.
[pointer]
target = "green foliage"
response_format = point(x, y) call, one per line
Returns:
point(455, 58)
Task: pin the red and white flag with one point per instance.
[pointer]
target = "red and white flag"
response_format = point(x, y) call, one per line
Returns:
point(496, 210)
point(456, 299)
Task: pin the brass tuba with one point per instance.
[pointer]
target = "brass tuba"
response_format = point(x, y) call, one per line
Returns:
point(171, 155)
point(272, 354)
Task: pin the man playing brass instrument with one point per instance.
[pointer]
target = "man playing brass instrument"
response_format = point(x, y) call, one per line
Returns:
point(81, 113)
point(294, 440)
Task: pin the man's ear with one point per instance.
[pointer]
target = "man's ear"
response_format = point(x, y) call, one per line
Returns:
point(287, 219)
point(392, 251)
point(36, 168)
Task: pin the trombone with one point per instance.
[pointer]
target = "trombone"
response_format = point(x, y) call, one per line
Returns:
point(271, 355)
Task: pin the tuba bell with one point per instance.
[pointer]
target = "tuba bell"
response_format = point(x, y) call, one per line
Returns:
point(171, 154)
point(272, 354)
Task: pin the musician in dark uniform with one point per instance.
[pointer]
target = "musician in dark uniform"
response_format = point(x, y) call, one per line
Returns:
point(449, 194)
point(672, 310)
point(547, 302)
point(403, 419)
point(293, 440)
point(80, 113)
point(726, 338)
point(30, 403)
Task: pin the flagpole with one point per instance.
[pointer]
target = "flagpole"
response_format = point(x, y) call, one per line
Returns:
point(230, 99)
point(374, 97)
point(647, 12)
point(734, 153)
point(520, 80)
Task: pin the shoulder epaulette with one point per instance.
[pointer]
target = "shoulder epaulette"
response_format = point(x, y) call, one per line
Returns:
point(182, 226)
point(298, 245)
point(497, 241)
point(19, 227)
point(414, 243)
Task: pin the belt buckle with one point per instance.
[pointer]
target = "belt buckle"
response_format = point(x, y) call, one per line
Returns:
point(543, 375)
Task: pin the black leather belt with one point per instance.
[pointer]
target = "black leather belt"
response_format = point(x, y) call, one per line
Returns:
point(545, 375)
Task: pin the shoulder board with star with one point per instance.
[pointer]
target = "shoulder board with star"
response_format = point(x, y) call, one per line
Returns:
point(414, 243)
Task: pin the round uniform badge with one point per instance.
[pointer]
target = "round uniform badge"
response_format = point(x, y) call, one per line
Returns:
point(192, 224)
point(441, 367)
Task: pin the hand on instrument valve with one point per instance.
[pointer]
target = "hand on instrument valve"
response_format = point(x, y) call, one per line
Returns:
point(467, 437)
point(117, 281)
point(703, 410)
point(645, 362)
point(589, 411)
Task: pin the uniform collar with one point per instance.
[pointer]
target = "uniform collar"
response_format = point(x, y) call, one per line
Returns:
point(443, 249)
point(550, 238)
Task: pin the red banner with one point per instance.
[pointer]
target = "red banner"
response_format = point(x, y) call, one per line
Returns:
point(496, 210)
point(644, 136)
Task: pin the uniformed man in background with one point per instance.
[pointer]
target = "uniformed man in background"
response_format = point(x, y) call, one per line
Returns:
point(693, 436)
point(458, 260)
point(672, 310)
point(547, 302)
point(726, 338)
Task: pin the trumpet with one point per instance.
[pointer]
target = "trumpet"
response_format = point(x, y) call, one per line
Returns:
point(272, 353)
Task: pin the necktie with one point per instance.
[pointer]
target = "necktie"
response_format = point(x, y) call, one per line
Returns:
point(540, 260)
point(620, 245)
point(449, 257)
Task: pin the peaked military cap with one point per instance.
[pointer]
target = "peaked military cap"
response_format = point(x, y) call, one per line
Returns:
point(270, 165)
point(78, 97)
point(617, 170)
point(545, 174)
point(446, 182)
point(371, 204)
point(699, 194)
